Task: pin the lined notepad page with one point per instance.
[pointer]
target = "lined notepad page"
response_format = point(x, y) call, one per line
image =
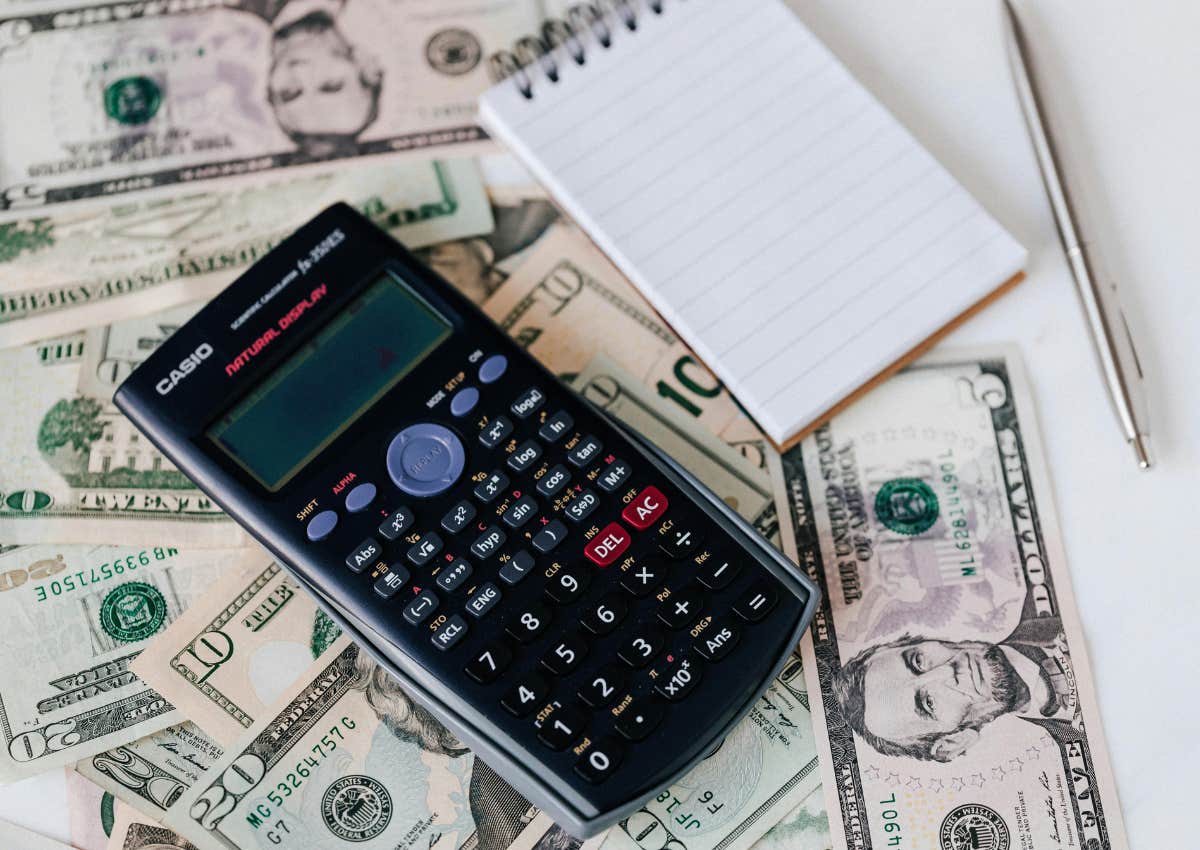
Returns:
point(782, 221)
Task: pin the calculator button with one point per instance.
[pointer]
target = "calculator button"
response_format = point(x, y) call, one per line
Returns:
point(640, 718)
point(600, 761)
point(489, 488)
point(679, 609)
point(495, 432)
point(516, 568)
point(520, 512)
point(605, 615)
point(554, 480)
point(608, 545)
point(613, 476)
point(586, 451)
point(489, 663)
point(398, 523)
point(360, 498)
point(679, 680)
point(645, 509)
point(321, 525)
point(567, 585)
point(717, 574)
point(483, 600)
point(680, 541)
point(526, 695)
point(389, 584)
point(423, 604)
point(565, 656)
point(422, 552)
point(756, 604)
point(527, 403)
point(367, 553)
point(600, 688)
point(458, 517)
point(451, 576)
point(491, 369)
point(488, 543)
point(640, 649)
point(582, 505)
point(464, 401)
point(556, 427)
point(525, 455)
point(528, 625)
point(549, 537)
point(716, 642)
point(644, 577)
point(450, 632)
point(425, 459)
point(561, 728)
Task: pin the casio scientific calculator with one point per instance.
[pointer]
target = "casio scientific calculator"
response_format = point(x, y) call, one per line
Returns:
point(570, 602)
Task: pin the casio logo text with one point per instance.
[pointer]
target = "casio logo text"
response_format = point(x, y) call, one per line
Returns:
point(186, 366)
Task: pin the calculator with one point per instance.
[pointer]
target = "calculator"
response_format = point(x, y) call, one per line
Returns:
point(570, 602)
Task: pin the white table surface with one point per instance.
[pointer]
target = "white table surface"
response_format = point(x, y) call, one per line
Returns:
point(1126, 79)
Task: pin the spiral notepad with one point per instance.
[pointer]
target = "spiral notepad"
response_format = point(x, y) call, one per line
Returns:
point(789, 228)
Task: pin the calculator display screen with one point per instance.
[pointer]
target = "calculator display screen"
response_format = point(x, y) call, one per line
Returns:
point(314, 395)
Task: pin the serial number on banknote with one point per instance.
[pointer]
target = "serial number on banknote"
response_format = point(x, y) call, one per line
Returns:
point(80, 579)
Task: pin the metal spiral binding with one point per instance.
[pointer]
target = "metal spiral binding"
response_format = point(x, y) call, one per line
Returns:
point(583, 23)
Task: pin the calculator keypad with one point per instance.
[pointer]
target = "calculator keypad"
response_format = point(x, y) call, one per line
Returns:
point(573, 588)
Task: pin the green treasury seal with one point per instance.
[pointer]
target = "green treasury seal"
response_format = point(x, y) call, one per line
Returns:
point(906, 505)
point(133, 611)
point(132, 100)
point(356, 808)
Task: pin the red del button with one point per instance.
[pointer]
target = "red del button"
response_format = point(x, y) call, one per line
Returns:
point(642, 512)
point(608, 545)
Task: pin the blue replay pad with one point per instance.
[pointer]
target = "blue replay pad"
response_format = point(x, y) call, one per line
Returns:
point(570, 602)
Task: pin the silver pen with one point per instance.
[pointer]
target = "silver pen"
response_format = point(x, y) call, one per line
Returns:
point(1110, 331)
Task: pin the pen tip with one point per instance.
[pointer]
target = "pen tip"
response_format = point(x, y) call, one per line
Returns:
point(1141, 450)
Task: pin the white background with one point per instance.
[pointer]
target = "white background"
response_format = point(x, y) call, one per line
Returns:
point(1125, 107)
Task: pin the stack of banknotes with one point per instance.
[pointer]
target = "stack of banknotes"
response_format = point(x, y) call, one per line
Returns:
point(150, 153)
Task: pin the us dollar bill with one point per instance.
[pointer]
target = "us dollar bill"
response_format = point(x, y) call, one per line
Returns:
point(567, 303)
point(151, 773)
point(132, 830)
point(119, 98)
point(77, 617)
point(77, 471)
point(805, 827)
point(84, 266)
point(347, 759)
point(235, 651)
point(765, 766)
point(947, 667)
point(89, 812)
point(723, 470)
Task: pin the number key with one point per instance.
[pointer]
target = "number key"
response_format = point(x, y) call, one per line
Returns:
point(600, 761)
point(606, 615)
point(565, 656)
point(601, 687)
point(526, 695)
point(641, 648)
point(489, 663)
point(561, 728)
point(528, 625)
point(567, 585)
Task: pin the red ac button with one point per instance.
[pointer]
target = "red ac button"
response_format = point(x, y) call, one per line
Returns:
point(643, 511)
